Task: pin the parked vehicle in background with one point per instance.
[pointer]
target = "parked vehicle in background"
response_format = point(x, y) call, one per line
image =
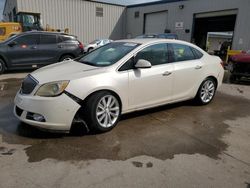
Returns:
point(25, 21)
point(37, 48)
point(9, 29)
point(223, 49)
point(239, 66)
point(118, 78)
point(162, 36)
point(95, 44)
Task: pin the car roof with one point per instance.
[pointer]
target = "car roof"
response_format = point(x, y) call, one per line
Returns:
point(152, 40)
point(146, 41)
point(45, 32)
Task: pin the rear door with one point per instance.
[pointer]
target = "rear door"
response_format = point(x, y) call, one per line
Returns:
point(188, 71)
point(49, 50)
point(25, 52)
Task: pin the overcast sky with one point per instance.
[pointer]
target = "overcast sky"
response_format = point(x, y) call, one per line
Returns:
point(127, 2)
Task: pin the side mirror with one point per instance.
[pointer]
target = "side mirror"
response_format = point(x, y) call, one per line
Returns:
point(143, 64)
point(12, 43)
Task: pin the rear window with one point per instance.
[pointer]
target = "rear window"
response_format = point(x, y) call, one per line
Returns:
point(64, 38)
point(167, 36)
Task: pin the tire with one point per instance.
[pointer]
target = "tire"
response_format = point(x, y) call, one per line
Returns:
point(65, 57)
point(100, 117)
point(232, 78)
point(206, 92)
point(230, 67)
point(2, 66)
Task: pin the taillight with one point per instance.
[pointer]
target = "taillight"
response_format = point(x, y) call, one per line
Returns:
point(222, 64)
point(80, 45)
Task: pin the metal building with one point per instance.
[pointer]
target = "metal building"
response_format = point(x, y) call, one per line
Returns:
point(191, 20)
point(86, 19)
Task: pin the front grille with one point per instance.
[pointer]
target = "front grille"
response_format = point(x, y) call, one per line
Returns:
point(28, 85)
point(19, 111)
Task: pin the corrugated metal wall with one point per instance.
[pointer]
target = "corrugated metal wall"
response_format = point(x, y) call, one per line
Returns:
point(80, 17)
point(241, 40)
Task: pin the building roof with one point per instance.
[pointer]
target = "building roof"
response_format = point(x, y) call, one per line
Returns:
point(154, 3)
point(111, 2)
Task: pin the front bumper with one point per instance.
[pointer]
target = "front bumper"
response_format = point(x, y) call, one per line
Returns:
point(58, 112)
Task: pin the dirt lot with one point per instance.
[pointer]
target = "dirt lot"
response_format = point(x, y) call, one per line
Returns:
point(180, 145)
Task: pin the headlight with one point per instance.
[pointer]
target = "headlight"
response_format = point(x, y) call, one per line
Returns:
point(52, 89)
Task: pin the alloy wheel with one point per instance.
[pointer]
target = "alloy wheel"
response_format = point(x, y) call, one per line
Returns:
point(107, 111)
point(207, 91)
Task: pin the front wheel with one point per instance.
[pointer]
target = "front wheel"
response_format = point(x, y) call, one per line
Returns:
point(102, 111)
point(2, 66)
point(206, 91)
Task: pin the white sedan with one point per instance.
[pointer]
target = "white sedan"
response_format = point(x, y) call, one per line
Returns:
point(120, 77)
point(96, 44)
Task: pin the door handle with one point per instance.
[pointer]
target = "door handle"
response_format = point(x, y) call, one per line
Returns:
point(198, 67)
point(167, 73)
point(33, 47)
point(60, 46)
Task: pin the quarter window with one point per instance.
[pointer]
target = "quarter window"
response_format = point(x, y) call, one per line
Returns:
point(182, 53)
point(156, 54)
point(128, 65)
point(197, 53)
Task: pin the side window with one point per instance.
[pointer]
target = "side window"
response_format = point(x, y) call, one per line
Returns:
point(182, 53)
point(27, 40)
point(156, 54)
point(48, 39)
point(197, 53)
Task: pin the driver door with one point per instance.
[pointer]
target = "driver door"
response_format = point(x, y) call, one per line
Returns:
point(151, 86)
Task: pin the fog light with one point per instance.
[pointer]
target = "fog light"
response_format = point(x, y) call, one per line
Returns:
point(38, 117)
point(35, 117)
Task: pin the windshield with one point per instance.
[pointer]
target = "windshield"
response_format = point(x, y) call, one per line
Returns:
point(108, 54)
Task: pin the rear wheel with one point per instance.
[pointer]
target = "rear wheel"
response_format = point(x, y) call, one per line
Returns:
point(2, 66)
point(206, 91)
point(66, 57)
point(102, 111)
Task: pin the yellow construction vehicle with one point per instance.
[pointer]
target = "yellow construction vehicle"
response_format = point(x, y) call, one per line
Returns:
point(24, 21)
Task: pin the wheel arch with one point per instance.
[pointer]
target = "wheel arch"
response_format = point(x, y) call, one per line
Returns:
point(4, 60)
point(65, 54)
point(103, 90)
point(213, 78)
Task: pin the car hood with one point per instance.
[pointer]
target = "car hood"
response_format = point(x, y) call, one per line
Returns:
point(66, 70)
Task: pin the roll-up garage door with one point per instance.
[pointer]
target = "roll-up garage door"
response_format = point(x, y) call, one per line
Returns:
point(156, 22)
